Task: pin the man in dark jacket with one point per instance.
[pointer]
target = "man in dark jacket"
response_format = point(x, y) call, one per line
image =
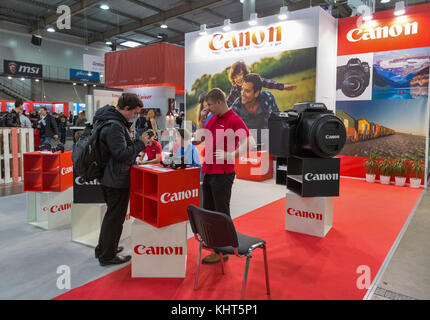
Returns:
point(12, 119)
point(47, 126)
point(119, 153)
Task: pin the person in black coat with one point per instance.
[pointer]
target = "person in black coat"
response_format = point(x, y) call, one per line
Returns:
point(119, 153)
point(12, 119)
point(47, 126)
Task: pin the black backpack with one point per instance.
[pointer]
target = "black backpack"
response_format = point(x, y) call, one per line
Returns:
point(86, 157)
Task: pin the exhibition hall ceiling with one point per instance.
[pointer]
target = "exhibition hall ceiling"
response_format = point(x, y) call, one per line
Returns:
point(140, 21)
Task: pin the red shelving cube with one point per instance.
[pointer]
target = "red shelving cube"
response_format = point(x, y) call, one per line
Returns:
point(160, 196)
point(48, 172)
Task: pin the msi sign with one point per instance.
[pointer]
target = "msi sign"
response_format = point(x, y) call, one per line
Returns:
point(17, 68)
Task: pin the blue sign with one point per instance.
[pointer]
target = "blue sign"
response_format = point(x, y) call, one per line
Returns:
point(86, 76)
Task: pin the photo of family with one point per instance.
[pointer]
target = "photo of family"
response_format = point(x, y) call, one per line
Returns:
point(255, 86)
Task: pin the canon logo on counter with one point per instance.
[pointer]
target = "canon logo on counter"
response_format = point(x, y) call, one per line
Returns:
point(58, 208)
point(158, 251)
point(178, 196)
point(384, 32)
point(81, 182)
point(67, 170)
point(321, 176)
point(257, 38)
point(304, 214)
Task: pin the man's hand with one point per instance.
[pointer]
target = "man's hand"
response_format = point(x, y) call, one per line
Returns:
point(290, 87)
point(145, 138)
point(141, 162)
point(222, 155)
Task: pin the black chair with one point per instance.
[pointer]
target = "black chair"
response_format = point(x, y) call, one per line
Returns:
point(215, 231)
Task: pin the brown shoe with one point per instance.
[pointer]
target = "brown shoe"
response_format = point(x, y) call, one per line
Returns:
point(213, 258)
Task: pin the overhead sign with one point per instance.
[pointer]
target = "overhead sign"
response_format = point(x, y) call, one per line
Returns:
point(86, 76)
point(18, 68)
point(385, 31)
point(94, 63)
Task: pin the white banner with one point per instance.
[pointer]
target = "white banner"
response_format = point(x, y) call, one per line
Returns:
point(94, 63)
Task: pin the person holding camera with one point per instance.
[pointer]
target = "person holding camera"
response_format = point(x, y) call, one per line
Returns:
point(153, 150)
point(118, 152)
point(47, 126)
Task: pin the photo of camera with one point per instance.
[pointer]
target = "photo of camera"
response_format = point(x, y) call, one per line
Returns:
point(309, 129)
point(353, 78)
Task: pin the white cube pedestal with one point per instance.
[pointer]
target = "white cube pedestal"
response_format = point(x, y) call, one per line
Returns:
point(49, 210)
point(87, 221)
point(158, 252)
point(312, 216)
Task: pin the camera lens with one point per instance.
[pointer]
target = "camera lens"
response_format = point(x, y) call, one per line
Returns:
point(353, 86)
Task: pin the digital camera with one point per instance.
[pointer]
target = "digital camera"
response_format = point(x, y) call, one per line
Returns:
point(174, 162)
point(309, 129)
point(353, 78)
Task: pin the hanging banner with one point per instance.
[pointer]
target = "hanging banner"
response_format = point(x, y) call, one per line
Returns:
point(94, 63)
point(85, 76)
point(18, 68)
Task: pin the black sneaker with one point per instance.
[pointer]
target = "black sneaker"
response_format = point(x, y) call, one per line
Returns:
point(118, 250)
point(116, 260)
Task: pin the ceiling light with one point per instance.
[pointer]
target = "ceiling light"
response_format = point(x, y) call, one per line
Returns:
point(367, 15)
point(37, 80)
point(203, 30)
point(227, 25)
point(385, 1)
point(22, 78)
point(101, 76)
point(130, 44)
point(10, 78)
point(90, 74)
point(164, 26)
point(94, 85)
point(104, 6)
point(283, 13)
point(74, 83)
point(108, 43)
point(253, 19)
point(242, 1)
point(399, 8)
point(50, 29)
point(85, 84)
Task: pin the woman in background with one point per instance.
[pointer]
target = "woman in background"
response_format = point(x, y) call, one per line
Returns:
point(150, 121)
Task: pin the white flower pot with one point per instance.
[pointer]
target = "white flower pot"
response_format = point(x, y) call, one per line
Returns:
point(370, 177)
point(400, 181)
point(415, 182)
point(385, 179)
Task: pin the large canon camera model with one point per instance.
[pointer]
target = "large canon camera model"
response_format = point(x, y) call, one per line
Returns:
point(353, 78)
point(307, 130)
point(174, 162)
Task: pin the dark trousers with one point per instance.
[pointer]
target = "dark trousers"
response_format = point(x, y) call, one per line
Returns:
point(110, 233)
point(217, 192)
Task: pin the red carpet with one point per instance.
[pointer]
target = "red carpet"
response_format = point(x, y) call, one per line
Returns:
point(367, 219)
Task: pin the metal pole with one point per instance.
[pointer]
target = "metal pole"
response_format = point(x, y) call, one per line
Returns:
point(248, 8)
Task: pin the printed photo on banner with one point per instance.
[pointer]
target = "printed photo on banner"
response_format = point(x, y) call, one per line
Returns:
point(257, 85)
point(401, 74)
point(392, 129)
point(354, 77)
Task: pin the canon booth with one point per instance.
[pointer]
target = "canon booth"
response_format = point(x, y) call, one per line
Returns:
point(336, 103)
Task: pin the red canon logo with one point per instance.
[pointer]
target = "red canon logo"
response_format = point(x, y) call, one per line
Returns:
point(58, 208)
point(65, 171)
point(304, 214)
point(158, 251)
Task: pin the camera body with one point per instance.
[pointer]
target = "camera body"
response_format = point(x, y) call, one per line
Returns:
point(59, 147)
point(174, 162)
point(353, 78)
point(307, 130)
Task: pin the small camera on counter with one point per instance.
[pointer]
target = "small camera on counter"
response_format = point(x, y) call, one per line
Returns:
point(174, 162)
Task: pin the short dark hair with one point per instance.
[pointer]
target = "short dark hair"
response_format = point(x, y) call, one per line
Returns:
point(130, 100)
point(255, 79)
point(236, 68)
point(215, 95)
point(18, 103)
point(185, 134)
point(44, 108)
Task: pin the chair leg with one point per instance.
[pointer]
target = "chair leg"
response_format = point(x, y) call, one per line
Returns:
point(196, 282)
point(248, 258)
point(266, 269)
point(222, 262)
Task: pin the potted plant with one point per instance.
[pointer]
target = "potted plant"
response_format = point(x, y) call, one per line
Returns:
point(417, 170)
point(386, 171)
point(400, 172)
point(371, 166)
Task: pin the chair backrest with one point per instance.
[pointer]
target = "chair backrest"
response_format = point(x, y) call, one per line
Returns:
point(216, 229)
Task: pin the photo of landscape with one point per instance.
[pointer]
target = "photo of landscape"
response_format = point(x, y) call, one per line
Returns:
point(402, 74)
